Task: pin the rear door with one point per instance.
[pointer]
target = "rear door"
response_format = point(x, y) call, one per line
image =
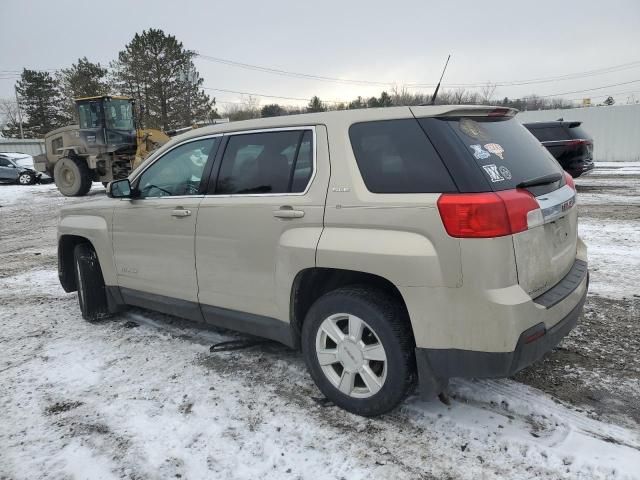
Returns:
point(506, 155)
point(261, 220)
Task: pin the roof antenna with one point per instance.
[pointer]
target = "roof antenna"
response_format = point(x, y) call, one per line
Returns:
point(435, 94)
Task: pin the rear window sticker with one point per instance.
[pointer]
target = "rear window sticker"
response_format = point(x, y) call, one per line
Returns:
point(496, 149)
point(494, 174)
point(472, 129)
point(505, 172)
point(479, 153)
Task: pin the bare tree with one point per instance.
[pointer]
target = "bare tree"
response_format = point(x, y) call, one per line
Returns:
point(246, 109)
point(8, 113)
point(401, 96)
point(487, 91)
point(459, 96)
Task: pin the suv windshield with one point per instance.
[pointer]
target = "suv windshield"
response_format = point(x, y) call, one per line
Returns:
point(505, 151)
point(118, 114)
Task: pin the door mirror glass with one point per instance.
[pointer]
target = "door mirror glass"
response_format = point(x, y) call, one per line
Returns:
point(119, 189)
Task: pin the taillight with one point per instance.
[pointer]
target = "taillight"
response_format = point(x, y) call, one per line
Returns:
point(499, 112)
point(569, 180)
point(487, 215)
point(575, 143)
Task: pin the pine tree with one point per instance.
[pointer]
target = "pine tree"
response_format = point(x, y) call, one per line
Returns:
point(82, 79)
point(316, 105)
point(41, 105)
point(272, 110)
point(158, 72)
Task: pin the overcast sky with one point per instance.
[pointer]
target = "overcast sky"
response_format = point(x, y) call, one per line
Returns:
point(397, 42)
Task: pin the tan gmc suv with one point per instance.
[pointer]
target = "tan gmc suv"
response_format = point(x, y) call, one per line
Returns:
point(388, 244)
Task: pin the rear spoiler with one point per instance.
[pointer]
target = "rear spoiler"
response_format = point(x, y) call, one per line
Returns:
point(574, 124)
point(463, 111)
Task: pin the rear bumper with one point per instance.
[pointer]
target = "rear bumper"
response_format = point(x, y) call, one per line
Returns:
point(436, 365)
point(579, 168)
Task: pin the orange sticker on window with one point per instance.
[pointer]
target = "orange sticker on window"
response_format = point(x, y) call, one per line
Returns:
point(496, 149)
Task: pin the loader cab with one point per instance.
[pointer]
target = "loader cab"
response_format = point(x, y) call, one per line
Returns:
point(107, 123)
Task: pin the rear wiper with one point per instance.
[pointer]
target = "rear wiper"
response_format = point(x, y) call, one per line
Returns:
point(543, 180)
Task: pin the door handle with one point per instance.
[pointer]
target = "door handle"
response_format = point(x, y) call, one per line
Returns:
point(288, 212)
point(180, 212)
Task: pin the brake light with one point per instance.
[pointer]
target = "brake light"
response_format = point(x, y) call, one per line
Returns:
point(486, 215)
point(499, 112)
point(575, 143)
point(569, 180)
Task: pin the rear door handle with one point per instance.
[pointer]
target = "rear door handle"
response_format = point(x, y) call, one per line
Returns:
point(288, 212)
point(180, 212)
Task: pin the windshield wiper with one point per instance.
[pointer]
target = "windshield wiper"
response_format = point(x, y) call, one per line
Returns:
point(543, 180)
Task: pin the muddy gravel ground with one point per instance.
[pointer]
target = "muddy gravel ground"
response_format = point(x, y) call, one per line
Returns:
point(140, 396)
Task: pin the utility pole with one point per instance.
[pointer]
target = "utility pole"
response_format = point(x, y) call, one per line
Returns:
point(19, 113)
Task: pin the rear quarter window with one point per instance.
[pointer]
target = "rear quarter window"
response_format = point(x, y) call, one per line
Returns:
point(503, 149)
point(395, 156)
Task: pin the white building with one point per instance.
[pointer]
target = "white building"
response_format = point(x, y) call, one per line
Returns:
point(30, 146)
point(615, 130)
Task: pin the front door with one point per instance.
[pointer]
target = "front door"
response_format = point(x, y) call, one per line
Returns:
point(8, 171)
point(262, 220)
point(153, 234)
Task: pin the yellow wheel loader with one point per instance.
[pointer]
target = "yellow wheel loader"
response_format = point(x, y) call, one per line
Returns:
point(104, 146)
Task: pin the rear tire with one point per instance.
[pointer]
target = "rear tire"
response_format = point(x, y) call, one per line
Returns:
point(374, 368)
point(72, 176)
point(92, 296)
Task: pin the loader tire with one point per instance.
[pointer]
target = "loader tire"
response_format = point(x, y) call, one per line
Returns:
point(72, 176)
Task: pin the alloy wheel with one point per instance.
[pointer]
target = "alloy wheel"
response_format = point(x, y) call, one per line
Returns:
point(351, 355)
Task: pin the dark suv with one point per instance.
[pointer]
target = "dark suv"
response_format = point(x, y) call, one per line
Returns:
point(567, 142)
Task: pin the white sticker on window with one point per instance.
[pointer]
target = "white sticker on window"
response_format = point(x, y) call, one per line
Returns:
point(505, 172)
point(494, 174)
point(479, 153)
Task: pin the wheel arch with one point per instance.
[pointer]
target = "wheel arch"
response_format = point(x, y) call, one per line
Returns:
point(311, 283)
point(66, 246)
point(75, 228)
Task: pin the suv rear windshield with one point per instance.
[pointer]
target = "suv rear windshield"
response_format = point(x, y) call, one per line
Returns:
point(505, 151)
point(578, 132)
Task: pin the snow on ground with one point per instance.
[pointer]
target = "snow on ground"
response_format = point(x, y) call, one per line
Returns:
point(616, 168)
point(103, 401)
point(140, 395)
point(614, 256)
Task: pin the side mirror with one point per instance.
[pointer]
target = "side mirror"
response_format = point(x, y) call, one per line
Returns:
point(119, 189)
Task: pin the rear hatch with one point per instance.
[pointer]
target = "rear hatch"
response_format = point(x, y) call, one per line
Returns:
point(511, 163)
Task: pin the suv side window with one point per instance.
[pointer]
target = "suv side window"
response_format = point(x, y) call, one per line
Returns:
point(179, 171)
point(267, 162)
point(395, 156)
point(4, 162)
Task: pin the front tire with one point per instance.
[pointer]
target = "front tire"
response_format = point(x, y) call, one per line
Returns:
point(26, 178)
point(359, 348)
point(72, 176)
point(91, 289)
